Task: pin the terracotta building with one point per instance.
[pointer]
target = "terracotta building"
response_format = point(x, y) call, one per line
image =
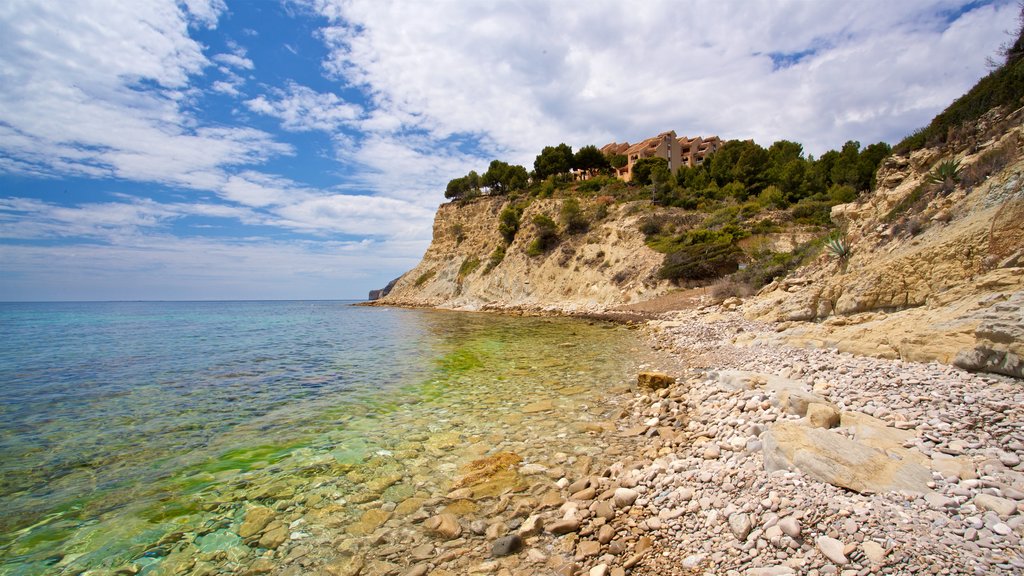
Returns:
point(677, 151)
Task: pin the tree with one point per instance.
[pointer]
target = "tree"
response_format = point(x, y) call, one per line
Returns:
point(644, 167)
point(457, 188)
point(844, 170)
point(467, 186)
point(589, 159)
point(503, 178)
point(870, 158)
point(553, 160)
point(618, 160)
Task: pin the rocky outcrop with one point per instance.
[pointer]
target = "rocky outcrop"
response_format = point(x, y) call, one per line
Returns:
point(831, 457)
point(606, 266)
point(931, 275)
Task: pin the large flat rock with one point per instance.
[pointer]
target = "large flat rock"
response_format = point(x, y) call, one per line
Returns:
point(833, 458)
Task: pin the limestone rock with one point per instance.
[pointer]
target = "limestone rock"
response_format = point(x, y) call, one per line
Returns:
point(822, 415)
point(874, 551)
point(790, 526)
point(832, 549)
point(274, 537)
point(446, 526)
point(624, 497)
point(1002, 506)
point(256, 519)
point(368, 522)
point(830, 457)
point(563, 526)
point(739, 523)
point(654, 380)
point(532, 526)
point(770, 571)
point(796, 401)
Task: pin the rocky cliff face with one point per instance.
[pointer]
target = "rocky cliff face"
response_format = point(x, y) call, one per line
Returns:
point(935, 273)
point(605, 266)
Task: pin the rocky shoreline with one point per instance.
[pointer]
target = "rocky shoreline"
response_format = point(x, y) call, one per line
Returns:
point(873, 467)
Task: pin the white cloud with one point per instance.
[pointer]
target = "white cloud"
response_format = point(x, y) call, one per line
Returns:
point(235, 60)
point(529, 74)
point(359, 215)
point(104, 96)
point(302, 109)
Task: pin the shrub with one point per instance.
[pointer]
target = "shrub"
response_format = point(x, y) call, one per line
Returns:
point(841, 193)
point(495, 258)
point(772, 197)
point(815, 212)
point(726, 215)
point(701, 261)
point(651, 225)
point(508, 222)
point(729, 288)
point(547, 235)
point(945, 176)
point(468, 266)
point(572, 217)
point(424, 277)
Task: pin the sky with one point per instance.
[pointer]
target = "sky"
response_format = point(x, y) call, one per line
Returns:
point(298, 149)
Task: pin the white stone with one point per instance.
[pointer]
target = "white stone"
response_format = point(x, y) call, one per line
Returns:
point(624, 497)
point(832, 549)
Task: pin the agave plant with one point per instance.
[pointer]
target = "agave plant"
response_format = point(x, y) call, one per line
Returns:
point(838, 246)
point(946, 174)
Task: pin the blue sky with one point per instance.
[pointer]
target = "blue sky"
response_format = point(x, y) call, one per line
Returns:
point(212, 149)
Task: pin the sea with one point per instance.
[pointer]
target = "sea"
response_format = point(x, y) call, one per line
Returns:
point(137, 433)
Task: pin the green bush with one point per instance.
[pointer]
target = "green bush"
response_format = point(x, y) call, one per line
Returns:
point(547, 235)
point(815, 212)
point(508, 222)
point(841, 194)
point(468, 266)
point(990, 162)
point(772, 197)
point(424, 277)
point(838, 245)
point(573, 219)
point(701, 261)
point(495, 258)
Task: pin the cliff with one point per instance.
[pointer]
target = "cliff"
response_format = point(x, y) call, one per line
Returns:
point(936, 263)
point(605, 266)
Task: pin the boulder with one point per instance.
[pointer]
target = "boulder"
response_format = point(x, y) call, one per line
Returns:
point(830, 457)
point(822, 415)
point(1001, 506)
point(445, 526)
point(256, 519)
point(796, 401)
point(654, 380)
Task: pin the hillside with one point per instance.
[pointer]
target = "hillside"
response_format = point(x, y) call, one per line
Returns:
point(935, 265)
point(915, 254)
point(607, 265)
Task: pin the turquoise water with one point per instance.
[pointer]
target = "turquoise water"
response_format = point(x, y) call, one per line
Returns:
point(124, 423)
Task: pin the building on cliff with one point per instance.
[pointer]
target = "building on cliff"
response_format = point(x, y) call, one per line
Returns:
point(678, 151)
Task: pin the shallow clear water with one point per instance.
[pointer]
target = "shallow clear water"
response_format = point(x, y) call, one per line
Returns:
point(122, 423)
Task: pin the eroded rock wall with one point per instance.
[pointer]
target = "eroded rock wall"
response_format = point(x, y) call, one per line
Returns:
point(934, 279)
point(606, 266)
